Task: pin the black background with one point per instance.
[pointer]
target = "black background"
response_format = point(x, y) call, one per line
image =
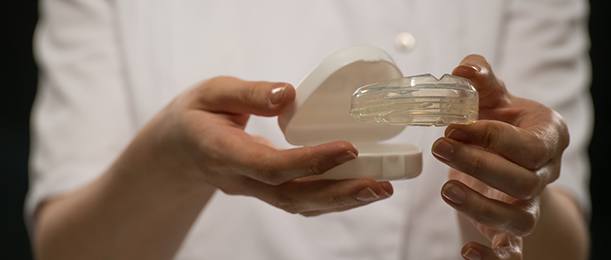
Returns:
point(18, 83)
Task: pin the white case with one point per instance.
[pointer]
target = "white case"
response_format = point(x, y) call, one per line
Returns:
point(321, 113)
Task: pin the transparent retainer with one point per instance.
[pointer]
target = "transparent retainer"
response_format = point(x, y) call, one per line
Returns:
point(421, 100)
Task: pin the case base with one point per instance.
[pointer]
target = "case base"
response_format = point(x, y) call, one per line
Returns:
point(380, 162)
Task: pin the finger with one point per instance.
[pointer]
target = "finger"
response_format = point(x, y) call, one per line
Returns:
point(327, 196)
point(272, 166)
point(518, 219)
point(317, 213)
point(236, 96)
point(516, 144)
point(364, 196)
point(321, 196)
point(490, 168)
point(477, 251)
point(279, 166)
point(492, 91)
point(507, 246)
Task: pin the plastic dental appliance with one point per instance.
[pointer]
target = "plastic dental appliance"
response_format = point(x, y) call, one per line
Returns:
point(421, 100)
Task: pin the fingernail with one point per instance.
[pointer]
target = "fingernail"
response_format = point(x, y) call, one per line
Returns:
point(472, 254)
point(475, 67)
point(367, 195)
point(468, 70)
point(387, 188)
point(443, 149)
point(277, 95)
point(458, 135)
point(454, 193)
point(348, 156)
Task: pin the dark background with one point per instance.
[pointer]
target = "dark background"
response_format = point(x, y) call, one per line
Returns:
point(19, 84)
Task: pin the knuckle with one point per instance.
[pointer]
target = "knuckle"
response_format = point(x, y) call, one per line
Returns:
point(529, 186)
point(183, 100)
point(209, 150)
point(268, 172)
point(222, 78)
point(488, 215)
point(345, 146)
point(526, 224)
point(491, 136)
point(563, 131)
point(476, 165)
point(249, 95)
point(315, 168)
point(538, 153)
point(272, 177)
point(208, 83)
point(316, 164)
point(212, 142)
point(215, 82)
point(286, 203)
point(483, 213)
point(338, 201)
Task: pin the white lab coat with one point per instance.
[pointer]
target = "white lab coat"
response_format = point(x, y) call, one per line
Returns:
point(108, 66)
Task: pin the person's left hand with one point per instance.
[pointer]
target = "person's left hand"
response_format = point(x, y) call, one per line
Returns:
point(501, 163)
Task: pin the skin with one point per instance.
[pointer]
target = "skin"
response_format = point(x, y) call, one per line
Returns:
point(143, 206)
point(501, 166)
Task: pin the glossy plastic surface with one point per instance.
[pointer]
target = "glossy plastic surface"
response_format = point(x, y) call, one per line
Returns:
point(421, 100)
point(320, 114)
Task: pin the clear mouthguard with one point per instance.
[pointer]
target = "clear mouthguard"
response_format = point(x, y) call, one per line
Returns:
point(421, 100)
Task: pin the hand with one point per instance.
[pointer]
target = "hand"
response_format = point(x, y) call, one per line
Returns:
point(200, 136)
point(501, 163)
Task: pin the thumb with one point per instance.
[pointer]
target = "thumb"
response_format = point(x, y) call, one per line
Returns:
point(236, 96)
point(491, 90)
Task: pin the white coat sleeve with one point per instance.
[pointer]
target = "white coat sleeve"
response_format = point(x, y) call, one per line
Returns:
point(81, 116)
point(544, 57)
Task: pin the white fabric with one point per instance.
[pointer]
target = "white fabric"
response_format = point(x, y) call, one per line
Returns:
point(108, 66)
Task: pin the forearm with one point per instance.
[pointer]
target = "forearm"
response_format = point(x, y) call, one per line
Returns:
point(136, 210)
point(561, 232)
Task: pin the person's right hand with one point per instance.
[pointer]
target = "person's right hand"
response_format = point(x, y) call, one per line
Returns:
point(200, 136)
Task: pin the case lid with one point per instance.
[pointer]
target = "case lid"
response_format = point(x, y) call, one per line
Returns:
point(321, 111)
